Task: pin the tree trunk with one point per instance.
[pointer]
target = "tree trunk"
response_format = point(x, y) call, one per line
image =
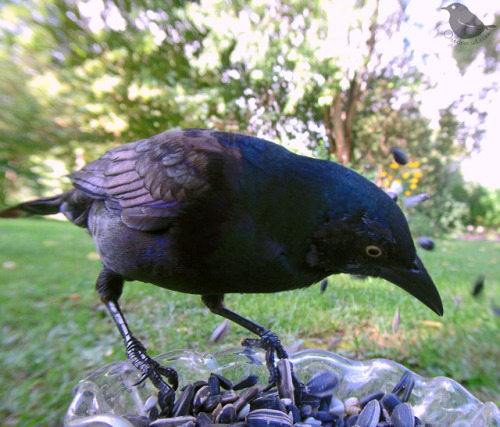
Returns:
point(340, 114)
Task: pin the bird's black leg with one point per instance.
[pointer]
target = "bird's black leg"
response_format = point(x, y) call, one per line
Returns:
point(269, 341)
point(109, 286)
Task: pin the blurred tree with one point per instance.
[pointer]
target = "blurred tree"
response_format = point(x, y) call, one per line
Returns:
point(345, 89)
point(307, 76)
point(73, 77)
point(483, 204)
point(28, 124)
point(111, 71)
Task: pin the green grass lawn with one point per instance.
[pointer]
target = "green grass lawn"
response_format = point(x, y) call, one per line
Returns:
point(55, 331)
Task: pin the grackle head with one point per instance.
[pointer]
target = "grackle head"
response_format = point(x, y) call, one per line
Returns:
point(375, 242)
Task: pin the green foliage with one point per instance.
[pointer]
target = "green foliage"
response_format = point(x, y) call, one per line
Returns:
point(440, 214)
point(440, 175)
point(483, 204)
point(23, 129)
point(77, 81)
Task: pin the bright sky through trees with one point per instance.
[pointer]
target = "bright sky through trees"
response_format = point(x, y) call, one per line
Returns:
point(437, 48)
point(439, 65)
point(426, 31)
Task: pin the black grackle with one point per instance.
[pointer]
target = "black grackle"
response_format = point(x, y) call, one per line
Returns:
point(211, 213)
point(464, 23)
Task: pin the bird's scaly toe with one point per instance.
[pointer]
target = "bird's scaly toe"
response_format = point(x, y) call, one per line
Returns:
point(150, 368)
point(271, 344)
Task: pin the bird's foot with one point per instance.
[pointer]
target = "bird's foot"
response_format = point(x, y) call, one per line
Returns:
point(153, 371)
point(271, 344)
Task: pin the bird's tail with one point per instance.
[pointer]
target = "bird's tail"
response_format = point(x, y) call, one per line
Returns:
point(43, 206)
point(73, 204)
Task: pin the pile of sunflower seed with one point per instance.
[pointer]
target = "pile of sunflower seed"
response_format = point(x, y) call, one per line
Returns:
point(218, 401)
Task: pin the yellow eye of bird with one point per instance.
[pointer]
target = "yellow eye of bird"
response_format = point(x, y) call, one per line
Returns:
point(373, 251)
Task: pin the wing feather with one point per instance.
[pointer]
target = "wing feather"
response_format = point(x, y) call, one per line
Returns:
point(148, 182)
point(125, 179)
point(117, 167)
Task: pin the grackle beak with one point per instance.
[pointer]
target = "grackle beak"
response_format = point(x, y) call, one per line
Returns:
point(417, 282)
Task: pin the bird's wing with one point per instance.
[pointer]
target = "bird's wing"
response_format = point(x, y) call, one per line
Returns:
point(149, 181)
point(468, 19)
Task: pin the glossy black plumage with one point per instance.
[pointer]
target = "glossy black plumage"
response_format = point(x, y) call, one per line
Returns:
point(211, 213)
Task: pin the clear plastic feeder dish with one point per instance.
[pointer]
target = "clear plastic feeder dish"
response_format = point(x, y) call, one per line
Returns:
point(104, 397)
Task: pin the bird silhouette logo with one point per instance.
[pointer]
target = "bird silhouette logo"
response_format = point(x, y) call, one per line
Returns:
point(464, 23)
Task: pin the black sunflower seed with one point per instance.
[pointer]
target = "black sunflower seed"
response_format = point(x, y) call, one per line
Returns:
point(246, 382)
point(213, 383)
point(370, 415)
point(200, 397)
point(186, 421)
point(368, 398)
point(322, 383)
point(223, 381)
point(185, 402)
point(390, 401)
point(203, 419)
point(227, 415)
point(403, 416)
point(212, 401)
point(138, 421)
point(268, 418)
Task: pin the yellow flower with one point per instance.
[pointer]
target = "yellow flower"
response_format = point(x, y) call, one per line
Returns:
point(394, 166)
point(410, 165)
point(406, 175)
point(398, 180)
point(414, 180)
point(407, 193)
point(384, 174)
point(413, 186)
point(417, 174)
point(416, 164)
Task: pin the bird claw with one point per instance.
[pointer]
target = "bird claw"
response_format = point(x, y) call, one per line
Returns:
point(155, 373)
point(166, 400)
point(271, 344)
point(143, 378)
point(151, 369)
